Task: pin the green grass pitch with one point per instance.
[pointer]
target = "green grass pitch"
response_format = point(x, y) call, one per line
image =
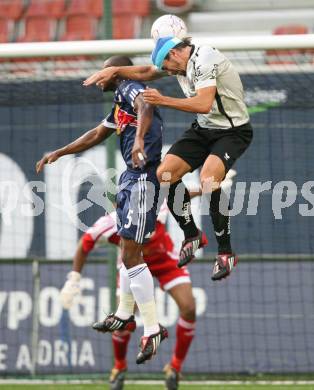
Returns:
point(157, 387)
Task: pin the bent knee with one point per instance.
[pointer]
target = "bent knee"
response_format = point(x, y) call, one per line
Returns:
point(165, 175)
point(209, 183)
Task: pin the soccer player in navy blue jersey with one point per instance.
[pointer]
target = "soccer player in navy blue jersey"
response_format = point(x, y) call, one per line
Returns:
point(139, 126)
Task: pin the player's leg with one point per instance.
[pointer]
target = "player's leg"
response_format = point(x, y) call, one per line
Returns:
point(120, 342)
point(136, 211)
point(224, 152)
point(123, 319)
point(211, 176)
point(132, 263)
point(136, 286)
point(183, 296)
point(172, 169)
point(184, 156)
point(169, 173)
point(176, 281)
point(142, 287)
point(137, 221)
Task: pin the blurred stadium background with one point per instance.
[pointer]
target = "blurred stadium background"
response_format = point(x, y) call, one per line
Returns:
point(261, 320)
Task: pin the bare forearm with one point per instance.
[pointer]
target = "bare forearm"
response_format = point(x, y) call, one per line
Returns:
point(144, 118)
point(86, 141)
point(79, 258)
point(193, 104)
point(145, 112)
point(139, 73)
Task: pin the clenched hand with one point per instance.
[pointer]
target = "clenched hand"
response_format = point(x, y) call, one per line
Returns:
point(153, 96)
point(138, 153)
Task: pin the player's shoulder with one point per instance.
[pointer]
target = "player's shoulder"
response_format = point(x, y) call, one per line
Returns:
point(206, 53)
point(127, 86)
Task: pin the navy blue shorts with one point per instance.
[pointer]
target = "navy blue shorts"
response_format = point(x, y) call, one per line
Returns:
point(137, 204)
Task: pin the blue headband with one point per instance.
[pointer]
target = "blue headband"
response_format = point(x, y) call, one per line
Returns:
point(162, 48)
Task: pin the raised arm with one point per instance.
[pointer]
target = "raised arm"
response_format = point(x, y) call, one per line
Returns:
point(145, 112)
point(138, 73)
point(200, 103)
point(105, 228)
point(89, 139)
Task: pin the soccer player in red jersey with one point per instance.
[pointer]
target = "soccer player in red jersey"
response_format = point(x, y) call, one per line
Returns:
point(162, 261)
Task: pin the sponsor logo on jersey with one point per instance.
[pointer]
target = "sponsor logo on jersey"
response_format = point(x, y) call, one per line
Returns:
point(123, 119)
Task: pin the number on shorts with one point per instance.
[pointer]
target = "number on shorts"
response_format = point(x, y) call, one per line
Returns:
point(129, 217)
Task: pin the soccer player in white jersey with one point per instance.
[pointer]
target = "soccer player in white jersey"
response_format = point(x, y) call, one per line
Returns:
point(161, 259)
point(219, 135)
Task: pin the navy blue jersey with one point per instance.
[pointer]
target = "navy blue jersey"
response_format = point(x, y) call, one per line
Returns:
point(123, 118)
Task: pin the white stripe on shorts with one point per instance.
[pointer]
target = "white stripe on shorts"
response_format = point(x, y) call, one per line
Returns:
point(144, 207)
point(141, 209)
point(138, 208)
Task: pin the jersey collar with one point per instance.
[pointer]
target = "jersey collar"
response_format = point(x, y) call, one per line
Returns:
point(192, 50)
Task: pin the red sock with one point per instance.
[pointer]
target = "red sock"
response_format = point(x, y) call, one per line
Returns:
point(184, 334)
point(120, 341)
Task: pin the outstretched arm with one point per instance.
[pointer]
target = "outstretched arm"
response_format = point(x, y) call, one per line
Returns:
point(89, 139)
point(138, 73)
point(80, 258)
point(71, 289)
point(105, 228)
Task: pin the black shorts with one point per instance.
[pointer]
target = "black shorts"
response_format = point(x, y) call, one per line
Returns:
point(197, 143)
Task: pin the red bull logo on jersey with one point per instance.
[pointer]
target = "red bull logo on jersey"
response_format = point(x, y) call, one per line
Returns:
point(123, 119)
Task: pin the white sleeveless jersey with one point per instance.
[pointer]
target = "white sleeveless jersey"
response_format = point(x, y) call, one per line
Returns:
point(209, 67)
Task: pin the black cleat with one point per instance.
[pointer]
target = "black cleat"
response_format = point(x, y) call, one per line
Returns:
point(150, 344)
point(190, 246)
point(172, 377)
point(223, 266)
point(112, 323)
point(116, 380)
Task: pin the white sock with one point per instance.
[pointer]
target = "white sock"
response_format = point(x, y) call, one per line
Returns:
point(126, 303)
point(142, 286)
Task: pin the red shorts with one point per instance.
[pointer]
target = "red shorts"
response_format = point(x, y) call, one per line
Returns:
point(165, 270)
